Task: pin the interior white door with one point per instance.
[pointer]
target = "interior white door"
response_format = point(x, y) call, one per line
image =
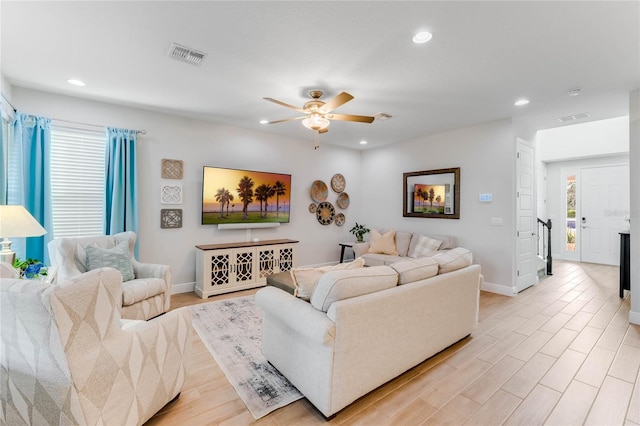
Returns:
point(604, 201)
point(526, 241)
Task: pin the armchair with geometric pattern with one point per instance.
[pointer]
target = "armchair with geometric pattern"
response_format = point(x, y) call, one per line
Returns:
point(66, 357)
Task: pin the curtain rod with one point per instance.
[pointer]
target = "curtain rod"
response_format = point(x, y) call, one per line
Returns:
point(9, 102)
point(140, 132)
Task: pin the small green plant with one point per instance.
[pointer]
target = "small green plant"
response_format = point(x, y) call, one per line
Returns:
point(359, 231)
point(571, 236)
point(30, 268)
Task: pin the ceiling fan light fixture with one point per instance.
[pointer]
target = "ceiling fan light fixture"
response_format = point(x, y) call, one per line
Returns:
point(316, 122)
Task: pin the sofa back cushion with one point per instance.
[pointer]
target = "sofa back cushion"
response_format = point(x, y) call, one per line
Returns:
point(306, 279)
point(383, 243)
point(453, 259)
point(415, 269)
point(347, 283)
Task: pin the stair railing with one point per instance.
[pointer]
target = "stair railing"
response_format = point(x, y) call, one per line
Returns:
point(546, 243)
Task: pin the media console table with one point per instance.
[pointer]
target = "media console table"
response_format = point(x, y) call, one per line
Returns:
point(223, 268)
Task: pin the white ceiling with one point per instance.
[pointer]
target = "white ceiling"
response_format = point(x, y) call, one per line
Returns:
point(483, 56)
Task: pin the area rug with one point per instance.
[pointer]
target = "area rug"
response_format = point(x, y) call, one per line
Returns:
point(232, 329)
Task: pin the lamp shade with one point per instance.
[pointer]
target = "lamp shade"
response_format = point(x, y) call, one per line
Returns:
point(16, 222)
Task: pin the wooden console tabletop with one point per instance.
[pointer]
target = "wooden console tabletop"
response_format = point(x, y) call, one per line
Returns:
point(244, 244)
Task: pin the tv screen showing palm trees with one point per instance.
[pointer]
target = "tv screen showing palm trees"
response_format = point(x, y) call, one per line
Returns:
point(244, 196)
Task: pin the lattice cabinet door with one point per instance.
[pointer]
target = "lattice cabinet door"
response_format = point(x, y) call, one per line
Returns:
point(286, 258)
point(244, 266)
point(266, 262)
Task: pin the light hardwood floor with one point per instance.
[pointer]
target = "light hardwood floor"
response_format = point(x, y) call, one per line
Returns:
point(559, 353)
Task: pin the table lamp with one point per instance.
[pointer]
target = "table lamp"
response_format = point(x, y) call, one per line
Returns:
point(16, 222)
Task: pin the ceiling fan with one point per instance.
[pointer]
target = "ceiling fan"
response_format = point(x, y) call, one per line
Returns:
point(318, 114)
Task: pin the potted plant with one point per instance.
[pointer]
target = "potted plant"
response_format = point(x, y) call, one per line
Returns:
point(30, 268)
point(359, 231)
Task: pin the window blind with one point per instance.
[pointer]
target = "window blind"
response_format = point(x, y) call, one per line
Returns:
point(77, 181)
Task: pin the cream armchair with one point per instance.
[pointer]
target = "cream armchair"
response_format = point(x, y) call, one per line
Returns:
point(66, 357)
point(146, 296)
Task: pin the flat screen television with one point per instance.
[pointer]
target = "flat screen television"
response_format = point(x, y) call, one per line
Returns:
point(232, 196)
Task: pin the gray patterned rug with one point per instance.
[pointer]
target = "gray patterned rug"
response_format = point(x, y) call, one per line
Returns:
point(231, 329)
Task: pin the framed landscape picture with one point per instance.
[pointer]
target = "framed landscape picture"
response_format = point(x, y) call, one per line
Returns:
point(432, 194)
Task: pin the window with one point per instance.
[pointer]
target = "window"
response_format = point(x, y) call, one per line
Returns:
point(77, 181)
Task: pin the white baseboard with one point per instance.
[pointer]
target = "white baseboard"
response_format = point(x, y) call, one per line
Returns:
point(183, 288)
point(499, 289)
point(634, 317)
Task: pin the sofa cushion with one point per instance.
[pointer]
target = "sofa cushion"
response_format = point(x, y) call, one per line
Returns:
point(415, 269)
point(448, 242)
point(134, 291)
point(453, 259)
point(426, 246)
point(372, 259)
point(305, 279)
point(117, 257)
point(348, 283)
point(383, 243)
point(403, 239)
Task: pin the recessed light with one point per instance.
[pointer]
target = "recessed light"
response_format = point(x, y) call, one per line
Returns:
point(76, 82)
point(363, 142)
point(521, 102)
point(422, 37)
point(264, 121)
point(574, 92)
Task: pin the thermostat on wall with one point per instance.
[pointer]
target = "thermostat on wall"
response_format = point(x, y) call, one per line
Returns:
point(486, 198)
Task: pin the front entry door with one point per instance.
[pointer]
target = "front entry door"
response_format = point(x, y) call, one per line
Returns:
point(604, 203)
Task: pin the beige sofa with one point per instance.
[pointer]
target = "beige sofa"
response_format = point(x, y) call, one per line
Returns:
point(405, 243)
point(361, 329)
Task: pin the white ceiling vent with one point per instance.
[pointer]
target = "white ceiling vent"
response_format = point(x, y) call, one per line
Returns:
point(579, 116)
point(186, 54)
point(382, 116)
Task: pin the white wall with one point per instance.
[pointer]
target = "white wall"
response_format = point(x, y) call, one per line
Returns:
point(200, 143)
point(556, 195)
point(486, 157)
point(634, 169)
point(592, 139)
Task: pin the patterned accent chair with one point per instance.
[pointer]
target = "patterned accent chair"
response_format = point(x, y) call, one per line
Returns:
point(146, 296)
point(67, 358)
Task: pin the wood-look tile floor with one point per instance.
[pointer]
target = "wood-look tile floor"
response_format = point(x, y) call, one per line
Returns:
point(560, 353)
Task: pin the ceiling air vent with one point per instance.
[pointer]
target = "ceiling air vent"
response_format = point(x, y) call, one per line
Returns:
point(186, 54)
point(567, 118)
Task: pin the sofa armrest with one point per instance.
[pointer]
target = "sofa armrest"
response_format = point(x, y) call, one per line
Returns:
point(152, 270)
point(360, 248)
point(296, 314)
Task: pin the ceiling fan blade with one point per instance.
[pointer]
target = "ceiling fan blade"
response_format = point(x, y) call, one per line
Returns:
point(325, 130)
point(350, 117)
point(334, 103)
point(287, 119)
point(275, 101)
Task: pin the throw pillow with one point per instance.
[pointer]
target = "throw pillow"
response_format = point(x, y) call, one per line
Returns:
point(344, 284)
point(415, 269)
point(305, 279)
point(426, 246)
point(383, 243)
point(453, 259)
point(117, 257)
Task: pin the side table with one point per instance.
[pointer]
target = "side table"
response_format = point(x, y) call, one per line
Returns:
point(342, 247)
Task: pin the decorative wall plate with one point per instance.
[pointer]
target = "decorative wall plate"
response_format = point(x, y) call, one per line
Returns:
point(171, 194)
point(172, 169)
point(313, 207)
point(325, 213)
point(343, 200)
point(319, 191)
point(338, 183)
point(170, 218)
point(340, 219)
